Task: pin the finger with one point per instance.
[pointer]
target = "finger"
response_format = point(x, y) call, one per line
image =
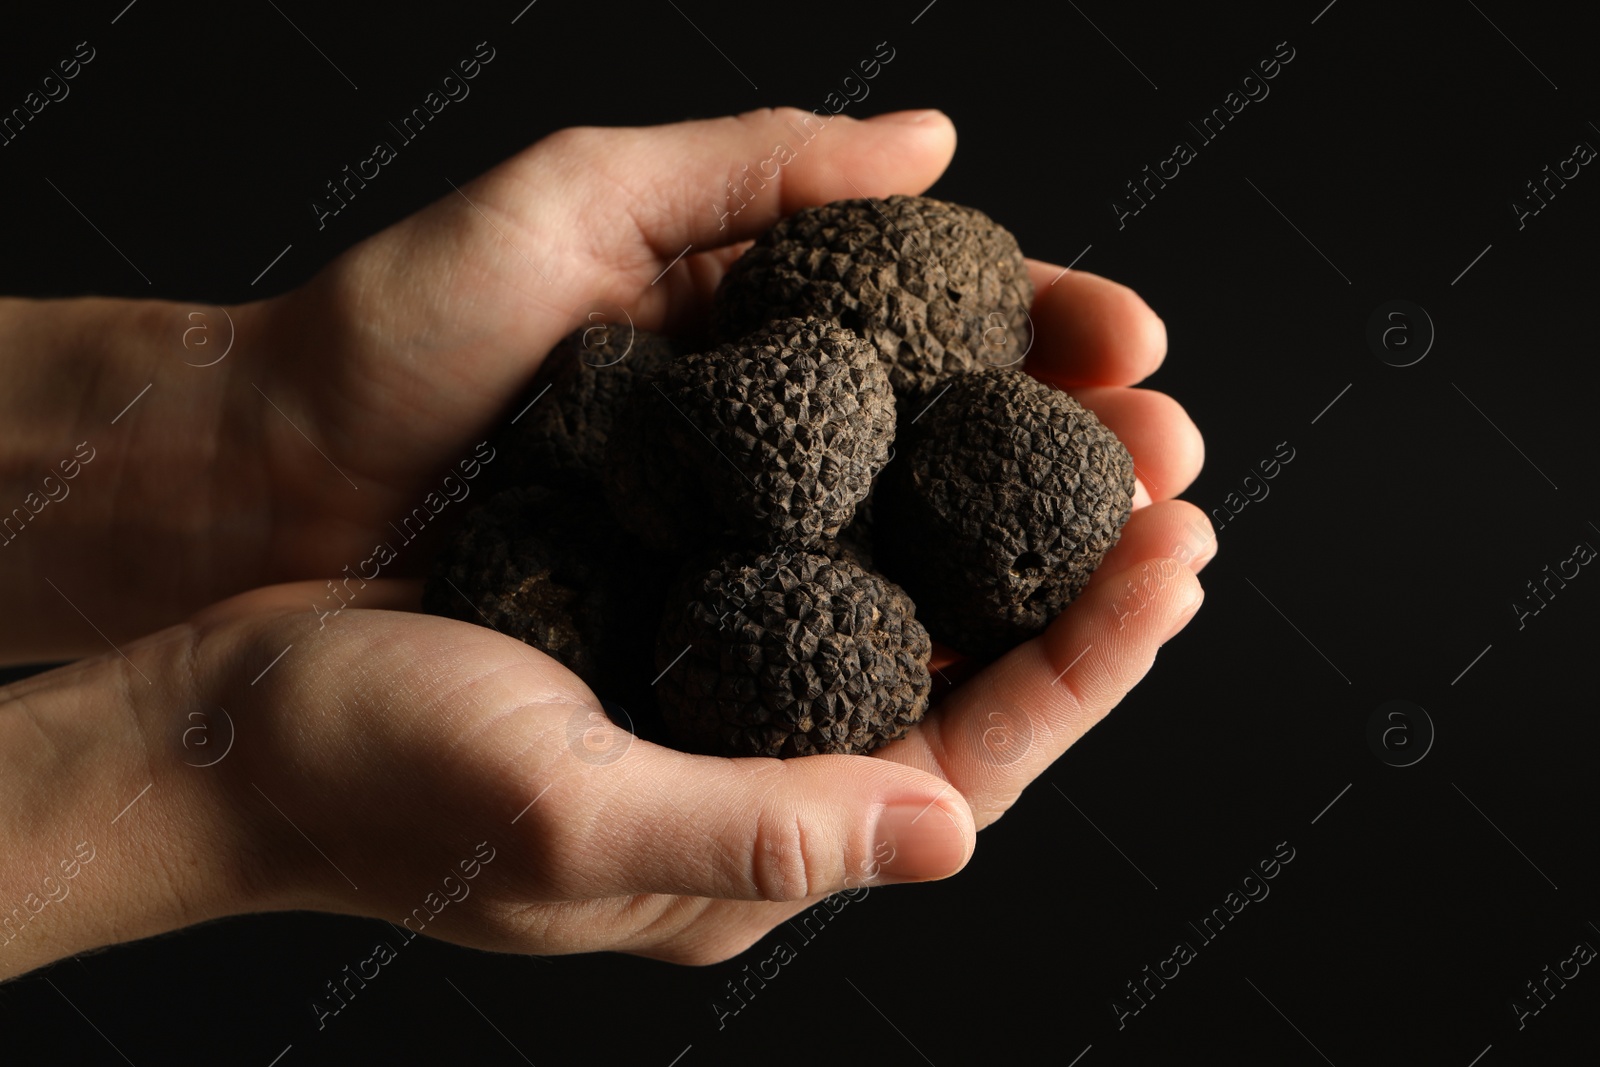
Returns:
point(1166, 445)
point(691, 186)
point(1174, 529)
point(674, 928)
point(697, 932)
point(385, 594)
point(1088, 330)
point(685, 196)
point(660, 821)
point(690, 302)
point(996, 734)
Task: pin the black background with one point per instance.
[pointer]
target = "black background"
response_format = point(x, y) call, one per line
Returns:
point(1391, 548)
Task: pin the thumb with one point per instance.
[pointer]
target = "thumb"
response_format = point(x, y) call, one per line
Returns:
point(688, 187)
point(749, 829)
point(714, 182)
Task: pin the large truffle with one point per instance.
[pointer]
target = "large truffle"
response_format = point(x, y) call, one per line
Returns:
point(1001, 506)
point(560, 437)
point(791, 653)
point(552, 569)
point(938, 288)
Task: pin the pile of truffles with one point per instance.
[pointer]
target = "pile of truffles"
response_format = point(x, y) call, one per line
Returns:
point(750, 533)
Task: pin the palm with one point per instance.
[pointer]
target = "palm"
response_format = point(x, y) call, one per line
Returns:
point(456, 734)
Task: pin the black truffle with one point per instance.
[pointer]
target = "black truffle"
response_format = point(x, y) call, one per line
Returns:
point(791, 653)
point(937, 287)
point(999, 509)
point(560, 438)
point(783, 432)
point(552, 568)
point(803, 409)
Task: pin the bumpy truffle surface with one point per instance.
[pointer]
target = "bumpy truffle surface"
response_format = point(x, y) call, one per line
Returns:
point(560, 439)
point(998, 511)
point(787, 427)
point(541, 566)
point(791, 653)
point(938, 288)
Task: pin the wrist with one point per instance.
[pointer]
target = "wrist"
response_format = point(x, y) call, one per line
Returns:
point(70, 366)
point(111, 828)
point(122, 428)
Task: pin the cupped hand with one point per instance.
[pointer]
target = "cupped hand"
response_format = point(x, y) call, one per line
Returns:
point(460, 784)
point(404, 742)
point(463, 785)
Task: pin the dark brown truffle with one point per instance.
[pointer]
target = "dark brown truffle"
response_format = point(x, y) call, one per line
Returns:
point(997, 512)
point(791, 653)
point(552, 568)
point(937, 287)
point(560, 438)
point(787, 427)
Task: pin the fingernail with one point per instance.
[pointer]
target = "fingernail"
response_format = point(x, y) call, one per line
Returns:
point(917, 841)
point(907, 118)
point(1188, 613)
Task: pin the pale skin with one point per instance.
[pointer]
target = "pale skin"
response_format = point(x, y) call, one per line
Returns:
point(375, 755)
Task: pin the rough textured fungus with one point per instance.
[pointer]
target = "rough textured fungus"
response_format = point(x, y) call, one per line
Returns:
point(549, 568)
point(994, 516)
point(787, 427)
point(791, 653)
point(576, 396)
point(938, 288)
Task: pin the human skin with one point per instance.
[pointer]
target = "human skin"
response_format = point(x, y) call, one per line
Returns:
point(380, 745)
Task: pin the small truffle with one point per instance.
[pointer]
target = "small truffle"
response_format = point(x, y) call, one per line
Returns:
point(560, 438)
point(938, 288)
point(791, 653)
point(994, 516)
point(552, 568)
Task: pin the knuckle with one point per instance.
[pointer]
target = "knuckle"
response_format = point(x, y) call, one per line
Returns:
point(780, 868)
point(763, 117)
point(579, 142)
point(760, 116)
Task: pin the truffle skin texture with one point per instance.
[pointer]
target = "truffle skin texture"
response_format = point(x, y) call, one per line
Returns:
point(938, 288)
point(536, 564)
point(561, 438)
point(786, 428)
point(791, 653)
point(1005, 502)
